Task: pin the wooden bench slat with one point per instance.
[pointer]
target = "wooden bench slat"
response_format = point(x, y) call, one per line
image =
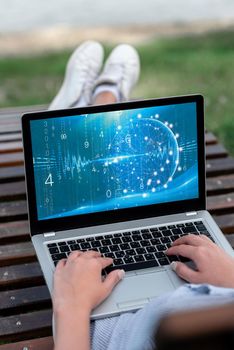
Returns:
point(16, 253)
point(221, 204)
point(219, 185)
point(14, 276)
point(225, 222)
point(9, 174)
point(221, 166)
point(215, 151)
point(23, 326)
point(11, 147)
point(45, 343)
point(22, 300)
point(14, 231)
point(12, 191)
point(14, 210)
point(210, 138)
point(10, 128)
point(10, 137)
point(11, 159)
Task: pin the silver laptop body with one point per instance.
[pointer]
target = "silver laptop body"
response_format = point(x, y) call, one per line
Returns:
point(106, 170)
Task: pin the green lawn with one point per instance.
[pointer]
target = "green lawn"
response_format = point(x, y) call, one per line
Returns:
point(201, 63)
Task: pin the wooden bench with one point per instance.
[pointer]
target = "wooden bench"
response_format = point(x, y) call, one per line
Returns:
point(25, 305)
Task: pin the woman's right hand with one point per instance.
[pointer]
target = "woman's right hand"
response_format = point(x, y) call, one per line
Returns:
point(213, 264)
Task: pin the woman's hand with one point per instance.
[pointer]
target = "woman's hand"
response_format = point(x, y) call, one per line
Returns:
point(213, 264)
point(78, 283)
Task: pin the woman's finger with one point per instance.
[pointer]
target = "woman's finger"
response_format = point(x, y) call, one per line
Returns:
point(91, 254)
point(184, 250)
point(185, 272)
point(190, 239)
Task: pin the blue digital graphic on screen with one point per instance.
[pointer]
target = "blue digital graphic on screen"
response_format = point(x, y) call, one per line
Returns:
point(113, 160)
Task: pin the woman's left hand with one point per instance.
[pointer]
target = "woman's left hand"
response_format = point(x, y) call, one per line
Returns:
point(78, 282)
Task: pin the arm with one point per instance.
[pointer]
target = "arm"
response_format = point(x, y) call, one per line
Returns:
point(213, 264)
point(79, 288)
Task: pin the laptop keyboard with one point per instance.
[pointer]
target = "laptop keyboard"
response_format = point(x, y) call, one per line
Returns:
point(131, 250)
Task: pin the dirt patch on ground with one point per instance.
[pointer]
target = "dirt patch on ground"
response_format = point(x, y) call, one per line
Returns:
point(59, 38)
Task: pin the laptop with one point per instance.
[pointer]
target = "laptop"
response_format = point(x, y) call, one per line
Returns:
point(125, 179)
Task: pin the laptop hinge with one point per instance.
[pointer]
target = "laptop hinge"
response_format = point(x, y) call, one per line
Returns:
point(49, 234)
point(191, 213)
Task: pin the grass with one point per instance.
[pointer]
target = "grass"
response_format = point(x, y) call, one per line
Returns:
point(201, 63)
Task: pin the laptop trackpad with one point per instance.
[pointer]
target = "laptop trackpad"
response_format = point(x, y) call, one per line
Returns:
point(139, 289)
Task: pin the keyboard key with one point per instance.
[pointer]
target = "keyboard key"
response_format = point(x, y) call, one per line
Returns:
point(153, 229)
point(116, 240)
point(99, 238)
point(160, 255)
point(168, 245)
point(146, 235)
point(61, 243)
point(117, 262)
point(85, 245)
point(161, 228)
point(64, 249)
point(128, 260)
point(89, 239)
point(180, 225)
point(127, 233)
point(198, 222)
point(139, 258)
point(95, 244)
point(110, 255)
point(176, 231)
point(74, 247)
point(189, 224)
point(52, 245)
point(140, 250)
point(145, 243)
point(163, 261)
point(71, 242)
point(119, 234)
point(166, 233)
point(53, 250)
point(108, 236)
point(149, 256)
point(58, 256)
point(171, 226)
point(151, 249)
point(135, 232)
point(114, 248)
point(127, 239)
point(135, 245)
point(130, 252)
point(156, 234)
point(136, 238)
point(189, 229)
point(80, 240)
point(105, 242)
point(161, 247)
point(155, 241)
point(165, 240)
point(124, 246)
point(144, 231)
point(56, 262)
point(119, 254)
point(103, 250)
point(184, 259)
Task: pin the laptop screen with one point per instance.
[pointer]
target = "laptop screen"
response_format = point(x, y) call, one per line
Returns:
point(113, 160)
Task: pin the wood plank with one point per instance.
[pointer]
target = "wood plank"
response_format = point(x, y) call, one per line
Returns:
point(221, 204)
point(11, 137)
point(210, 138)
point(9, 174)
point(25, 299)
point(221, 166)
point(15, 210)
point(13, 232)
point(219, 185)
point(13, 190)
point(225, 222)
point(216, 151)
point(17, 253)
point(16, 276)
point(15, 112)
point(23, 326)
point(11, 159)
point(45, 343)
point(11, 147)
point(10, 128)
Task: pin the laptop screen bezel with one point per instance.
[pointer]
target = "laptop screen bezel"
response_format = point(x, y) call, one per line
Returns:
point(112, 216)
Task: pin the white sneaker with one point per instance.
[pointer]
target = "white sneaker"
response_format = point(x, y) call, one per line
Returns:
point(121, 69)
point(81, 72)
